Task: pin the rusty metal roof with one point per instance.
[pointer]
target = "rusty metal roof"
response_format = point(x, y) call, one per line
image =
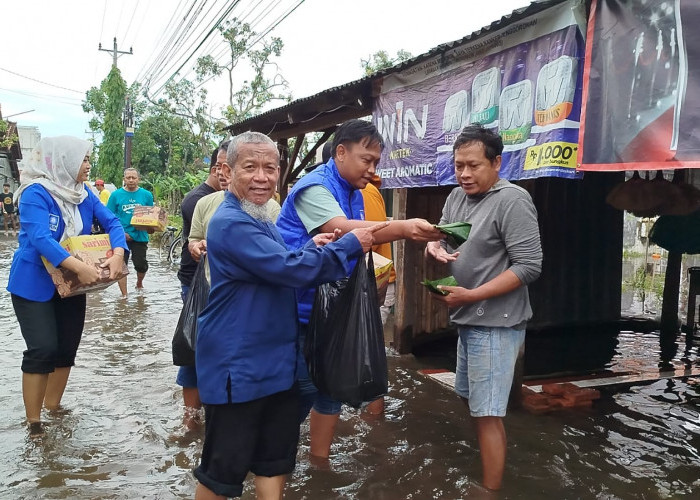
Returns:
point(354, 99)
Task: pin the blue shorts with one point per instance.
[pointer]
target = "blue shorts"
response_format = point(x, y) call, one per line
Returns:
point(485, 364)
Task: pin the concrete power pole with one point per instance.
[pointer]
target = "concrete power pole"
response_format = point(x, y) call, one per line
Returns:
point(128, 132)
point(115, 53)
point(128, 119)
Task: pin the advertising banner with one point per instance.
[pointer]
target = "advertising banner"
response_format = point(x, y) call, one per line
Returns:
point(523, 81)
point(641, 86)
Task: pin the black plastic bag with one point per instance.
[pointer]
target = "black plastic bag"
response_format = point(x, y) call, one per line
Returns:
point(185, 338)
point(345, 343)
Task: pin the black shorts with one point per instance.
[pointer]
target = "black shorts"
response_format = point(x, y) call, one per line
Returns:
point(137, 251)
point(258, 436)
point(52, 331)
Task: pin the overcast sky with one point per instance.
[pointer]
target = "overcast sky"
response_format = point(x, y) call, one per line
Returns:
point(56, 42)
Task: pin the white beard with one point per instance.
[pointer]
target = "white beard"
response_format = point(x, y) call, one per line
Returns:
point(258, 212)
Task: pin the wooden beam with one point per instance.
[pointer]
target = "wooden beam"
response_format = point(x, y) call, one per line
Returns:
point(311, 154)
point(285, 131)
point(283, 149)
point(295, 152)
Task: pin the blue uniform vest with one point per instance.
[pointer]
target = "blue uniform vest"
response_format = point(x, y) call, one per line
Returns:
point(292, 229)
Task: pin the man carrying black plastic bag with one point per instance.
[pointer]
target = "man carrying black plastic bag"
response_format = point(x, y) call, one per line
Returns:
point(325, 199)
point(345, 345)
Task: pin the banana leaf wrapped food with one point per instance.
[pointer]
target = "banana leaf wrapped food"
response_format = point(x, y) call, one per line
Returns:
point(432, 285)
point(457, 232)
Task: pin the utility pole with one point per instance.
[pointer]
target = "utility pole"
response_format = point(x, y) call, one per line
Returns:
point(115, 53)
point(128, 132)
point(128, 119)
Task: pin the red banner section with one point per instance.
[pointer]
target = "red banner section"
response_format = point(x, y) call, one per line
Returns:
point(641, 92)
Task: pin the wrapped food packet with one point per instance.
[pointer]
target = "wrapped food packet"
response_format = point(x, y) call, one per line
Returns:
point(457, 232)
point(432, 285)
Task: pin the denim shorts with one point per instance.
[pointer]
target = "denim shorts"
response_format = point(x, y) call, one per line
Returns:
point(485, 364)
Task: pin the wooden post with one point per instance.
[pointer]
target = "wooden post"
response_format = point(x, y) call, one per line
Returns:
point(283, 148)
point(672, 283)
point(403, 313)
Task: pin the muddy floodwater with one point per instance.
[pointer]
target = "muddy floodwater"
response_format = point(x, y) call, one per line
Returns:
point(120, 437)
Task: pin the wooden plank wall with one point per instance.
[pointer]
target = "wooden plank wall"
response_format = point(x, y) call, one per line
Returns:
point(581, 277)
point(416, 312)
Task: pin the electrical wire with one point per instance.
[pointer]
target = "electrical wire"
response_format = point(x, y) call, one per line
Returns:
point(39, 81)
point(156, 76)
point(213, 28)
point(128, 27)
point(138, 28)
point(47, 97)
point(119, 21)
point(266, 32)
point(168, 25)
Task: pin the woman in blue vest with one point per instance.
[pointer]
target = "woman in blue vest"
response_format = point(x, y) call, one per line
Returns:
point(54, 205)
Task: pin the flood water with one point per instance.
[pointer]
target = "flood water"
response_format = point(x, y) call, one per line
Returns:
point(120, 434)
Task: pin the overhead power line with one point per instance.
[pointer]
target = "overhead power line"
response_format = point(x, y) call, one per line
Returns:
point(213, 28)
point(176, 52)
point(42, 82)
point(262, 35)
point(47, 97)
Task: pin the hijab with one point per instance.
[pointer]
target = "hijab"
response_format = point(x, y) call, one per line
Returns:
point(55, 164)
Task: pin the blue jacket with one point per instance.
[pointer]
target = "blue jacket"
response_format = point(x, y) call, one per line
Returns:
point(293, 230)
point(42, 228)
point(247, 334)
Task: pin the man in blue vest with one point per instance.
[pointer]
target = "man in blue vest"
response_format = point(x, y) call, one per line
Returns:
point(322, 201)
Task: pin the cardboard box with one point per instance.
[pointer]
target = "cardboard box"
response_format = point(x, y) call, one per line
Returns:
point(382, 272)
point(145, 218)
point(382, 269)
point(93, 249)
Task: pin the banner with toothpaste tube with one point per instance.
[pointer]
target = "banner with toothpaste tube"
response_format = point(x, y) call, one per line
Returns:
point(523, 80)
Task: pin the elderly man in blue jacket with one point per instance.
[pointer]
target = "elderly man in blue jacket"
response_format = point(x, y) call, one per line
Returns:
point(247, 337)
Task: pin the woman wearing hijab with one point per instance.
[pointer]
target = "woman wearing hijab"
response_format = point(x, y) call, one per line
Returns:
point(54, 205)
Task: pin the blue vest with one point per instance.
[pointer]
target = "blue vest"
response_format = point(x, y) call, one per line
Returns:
point(292, 229)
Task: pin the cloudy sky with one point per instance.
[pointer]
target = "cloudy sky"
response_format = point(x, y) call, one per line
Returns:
point(50, 56)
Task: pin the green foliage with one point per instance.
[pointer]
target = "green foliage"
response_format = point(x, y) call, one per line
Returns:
point(382, 60)
point(175, 133)
point(106, 104)
point(644, 282)
point(7, 137)
point(259, 89)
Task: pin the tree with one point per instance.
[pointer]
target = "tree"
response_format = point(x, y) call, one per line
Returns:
point(8, 135)
point(382, 60)
point(250, 96)
point(106, 103)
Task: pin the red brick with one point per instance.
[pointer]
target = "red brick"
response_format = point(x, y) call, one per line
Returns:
point(559, 389)
point(536, 407)
point(583, 394)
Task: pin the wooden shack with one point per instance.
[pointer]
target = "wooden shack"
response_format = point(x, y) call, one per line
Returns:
point(580, 284)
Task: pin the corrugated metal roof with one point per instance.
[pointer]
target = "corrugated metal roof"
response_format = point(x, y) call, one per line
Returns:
point(357, 94)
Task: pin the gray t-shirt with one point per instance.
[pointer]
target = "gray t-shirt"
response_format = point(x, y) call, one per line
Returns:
point(315, 206)
point(504, 236)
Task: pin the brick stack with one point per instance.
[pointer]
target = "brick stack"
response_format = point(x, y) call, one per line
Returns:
point(558, 396)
